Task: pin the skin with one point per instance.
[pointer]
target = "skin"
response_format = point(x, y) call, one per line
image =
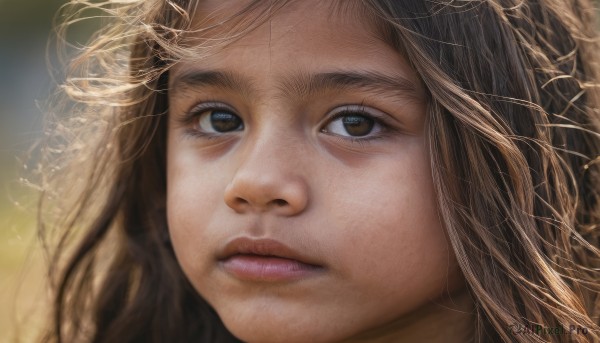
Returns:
point(363, 209)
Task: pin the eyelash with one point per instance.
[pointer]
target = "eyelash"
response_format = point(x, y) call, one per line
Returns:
point(189, 118)
point(385, 128)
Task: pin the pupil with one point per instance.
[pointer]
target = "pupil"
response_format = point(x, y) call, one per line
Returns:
point(358, 125)
point(224, 122)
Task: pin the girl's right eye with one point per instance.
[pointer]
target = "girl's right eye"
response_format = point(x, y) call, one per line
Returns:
point(218, 121)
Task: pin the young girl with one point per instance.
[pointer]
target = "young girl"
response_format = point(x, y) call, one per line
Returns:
point(328, 171)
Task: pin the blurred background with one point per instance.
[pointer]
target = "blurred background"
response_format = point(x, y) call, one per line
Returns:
point(24, 29)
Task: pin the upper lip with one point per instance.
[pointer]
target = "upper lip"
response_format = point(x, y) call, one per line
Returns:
point(262, 247)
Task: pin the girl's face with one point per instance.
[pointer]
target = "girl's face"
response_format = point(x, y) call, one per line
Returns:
point(300, 197)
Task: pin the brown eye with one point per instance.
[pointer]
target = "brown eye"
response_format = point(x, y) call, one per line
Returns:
point(220, 121)
point(352, 125)
point(358, 126)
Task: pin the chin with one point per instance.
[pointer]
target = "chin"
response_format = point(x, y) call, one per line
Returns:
point(271, 334)
point(266, 329)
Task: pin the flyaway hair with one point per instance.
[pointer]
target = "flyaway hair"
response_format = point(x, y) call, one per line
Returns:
point(513, 131)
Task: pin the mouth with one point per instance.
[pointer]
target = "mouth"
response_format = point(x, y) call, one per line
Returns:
point(266, 260)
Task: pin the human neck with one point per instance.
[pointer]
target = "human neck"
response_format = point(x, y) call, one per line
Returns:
point(448, 319)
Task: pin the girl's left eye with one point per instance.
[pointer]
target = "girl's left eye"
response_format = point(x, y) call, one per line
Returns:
point(219, 121)
point(353, 125)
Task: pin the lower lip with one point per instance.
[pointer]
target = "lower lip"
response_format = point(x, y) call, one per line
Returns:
point(267, 268)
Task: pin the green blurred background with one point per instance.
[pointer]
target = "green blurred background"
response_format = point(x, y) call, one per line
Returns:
point(24, 30)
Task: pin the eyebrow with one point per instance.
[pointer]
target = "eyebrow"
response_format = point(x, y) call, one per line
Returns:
point(211, 78)
point(303, 84)
point(309, 84)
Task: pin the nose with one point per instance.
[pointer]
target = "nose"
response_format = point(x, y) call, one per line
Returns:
point(268, 180)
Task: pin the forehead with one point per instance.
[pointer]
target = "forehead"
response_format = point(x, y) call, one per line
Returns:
point(219, 23)
point(210, 12)
point(290, 49)
point(340, 28)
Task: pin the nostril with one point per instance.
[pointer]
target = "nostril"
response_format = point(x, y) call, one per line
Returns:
point(279, 202)
point(240, 202)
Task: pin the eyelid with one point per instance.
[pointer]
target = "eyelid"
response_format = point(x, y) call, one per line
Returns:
point(378, 116)
point(341, 111)
point(198, 108)
point(189, 119)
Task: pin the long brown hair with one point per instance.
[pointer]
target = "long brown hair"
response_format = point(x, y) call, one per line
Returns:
point(513, 129)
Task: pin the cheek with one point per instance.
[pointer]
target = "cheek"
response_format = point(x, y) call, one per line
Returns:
point(193, 196)
point(398, 244)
